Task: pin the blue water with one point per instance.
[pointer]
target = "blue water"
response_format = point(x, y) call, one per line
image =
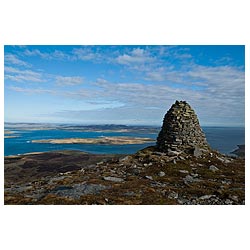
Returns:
point(225, 139)
point(222, 139)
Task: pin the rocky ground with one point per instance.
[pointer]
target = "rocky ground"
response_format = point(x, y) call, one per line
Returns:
point(147, 177)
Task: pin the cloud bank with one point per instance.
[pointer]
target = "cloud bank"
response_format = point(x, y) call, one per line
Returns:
point(132, 84)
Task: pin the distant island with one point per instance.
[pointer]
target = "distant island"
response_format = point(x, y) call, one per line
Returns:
point(10, 134)
point(82, 128)
point(119, 140)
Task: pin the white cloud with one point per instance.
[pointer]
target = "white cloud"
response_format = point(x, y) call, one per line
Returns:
point(13, 59)
point(86, 54)
point(136, 56)
point(55, 55)
point(19, 75)
point(69, 80)
point(31, 91)
point(36, 52)
point(58, 54)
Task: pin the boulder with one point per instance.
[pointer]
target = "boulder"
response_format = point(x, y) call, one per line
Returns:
point(213, 168)
point(161, 174)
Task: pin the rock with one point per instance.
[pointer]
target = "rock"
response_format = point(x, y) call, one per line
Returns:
point(158, 184)
point(82, 171)
point(23, 188)
point(99, 163)
point(91, 166)
point(223, 160)
point(173, 195)
point(234, 198)
point(194, 175)
point(228, 202)
point(161, 174)
point(58, 178)
point(193, 202)
point(183, 171)
point(148, 164)
point(181, 158)
point(130, 193)
point(159, 153)
point(114, 179)
point(77, 190)
point(126, 158)
point(183, 201)
point(135, 171)
point(188, 179)
point(213, 168)
point(172, 153)
point(227, 182)
point(197, 152)
point(149, 177)
point(206, 197)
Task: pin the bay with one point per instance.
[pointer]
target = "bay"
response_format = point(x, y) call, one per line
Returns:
point(223, 139)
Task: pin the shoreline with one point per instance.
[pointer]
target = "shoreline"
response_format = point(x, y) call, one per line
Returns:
point(240, 151)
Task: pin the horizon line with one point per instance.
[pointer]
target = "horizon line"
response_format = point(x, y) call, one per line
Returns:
point(102, 124)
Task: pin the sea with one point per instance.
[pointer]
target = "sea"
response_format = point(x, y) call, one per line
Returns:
point(223, 139)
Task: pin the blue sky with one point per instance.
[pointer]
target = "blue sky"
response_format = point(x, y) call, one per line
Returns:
point(123, 84)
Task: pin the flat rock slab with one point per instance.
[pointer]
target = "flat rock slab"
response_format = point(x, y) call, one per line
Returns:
point(77, 190)
point(114, 179)
point(190, 179)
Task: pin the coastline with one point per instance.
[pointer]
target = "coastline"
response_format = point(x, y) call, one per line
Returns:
point(240, 151)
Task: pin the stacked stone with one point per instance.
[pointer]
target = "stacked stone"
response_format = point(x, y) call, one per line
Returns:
point(181, 130)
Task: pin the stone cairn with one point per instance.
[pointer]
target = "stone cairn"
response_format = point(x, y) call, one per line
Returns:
point(181, 131)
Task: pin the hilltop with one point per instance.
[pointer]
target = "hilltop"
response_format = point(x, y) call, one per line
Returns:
point(147, 177)
point(180, 169)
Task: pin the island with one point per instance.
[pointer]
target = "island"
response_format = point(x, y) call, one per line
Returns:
point(112, 140)
point(10, 134)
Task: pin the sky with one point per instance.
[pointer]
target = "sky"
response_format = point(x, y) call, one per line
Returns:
point(131, 85)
